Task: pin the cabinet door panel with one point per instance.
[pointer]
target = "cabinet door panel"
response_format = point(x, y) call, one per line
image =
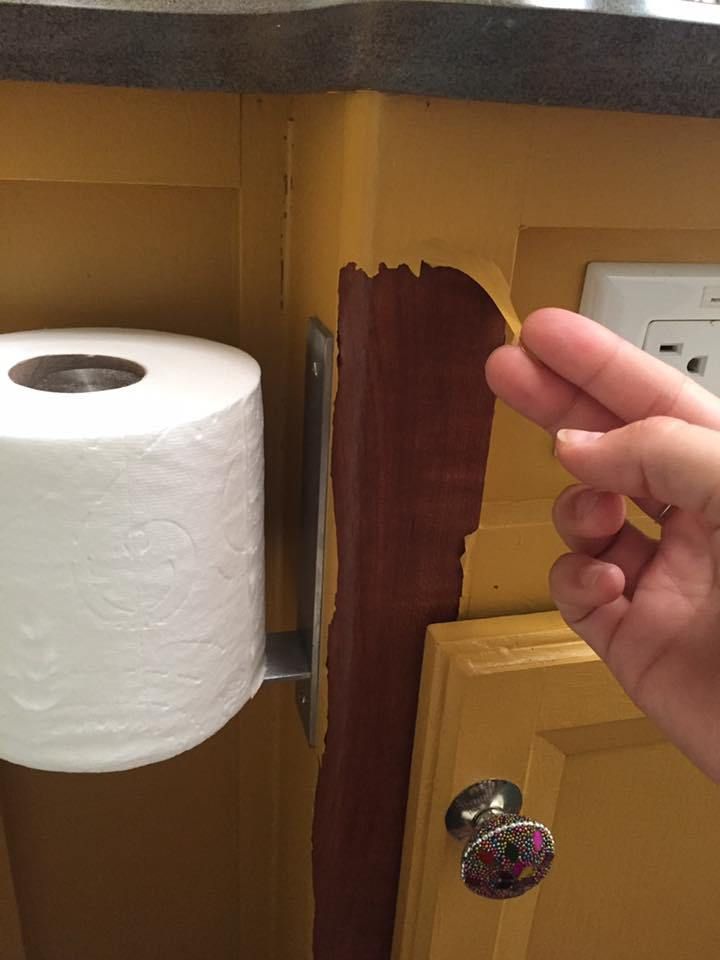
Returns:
point(636, 826)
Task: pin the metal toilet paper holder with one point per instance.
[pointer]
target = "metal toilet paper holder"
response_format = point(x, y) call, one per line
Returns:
point(295, 655)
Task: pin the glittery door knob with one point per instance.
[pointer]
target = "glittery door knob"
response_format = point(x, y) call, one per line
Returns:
point(505, 854)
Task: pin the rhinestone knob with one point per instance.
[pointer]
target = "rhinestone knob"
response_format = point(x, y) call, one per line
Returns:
point(506, 854)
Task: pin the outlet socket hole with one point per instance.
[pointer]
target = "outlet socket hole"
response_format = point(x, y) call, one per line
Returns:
point(697, 365)
point(671, 348)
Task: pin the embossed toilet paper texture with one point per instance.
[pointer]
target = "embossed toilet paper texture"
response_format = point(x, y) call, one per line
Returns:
point(131, 552)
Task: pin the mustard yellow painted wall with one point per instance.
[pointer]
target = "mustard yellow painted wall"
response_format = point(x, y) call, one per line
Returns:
point(537, 193)
point(126, 208)
point(230, 217)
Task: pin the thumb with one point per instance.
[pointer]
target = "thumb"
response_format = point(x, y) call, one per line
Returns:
point(668, 460)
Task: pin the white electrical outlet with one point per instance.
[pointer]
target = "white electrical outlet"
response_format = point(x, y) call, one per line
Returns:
point(671, 310)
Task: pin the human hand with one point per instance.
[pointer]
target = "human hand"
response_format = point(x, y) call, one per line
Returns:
point(627, 424)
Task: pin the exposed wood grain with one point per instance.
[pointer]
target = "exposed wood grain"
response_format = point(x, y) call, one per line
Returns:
point(11, 940)
point(411, 434)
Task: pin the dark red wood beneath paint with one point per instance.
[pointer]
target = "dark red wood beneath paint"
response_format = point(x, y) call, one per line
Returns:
point(410, 441)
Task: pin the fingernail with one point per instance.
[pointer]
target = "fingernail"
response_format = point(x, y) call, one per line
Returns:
point(577, 436)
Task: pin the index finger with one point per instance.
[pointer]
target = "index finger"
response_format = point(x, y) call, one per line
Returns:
point(619, 376)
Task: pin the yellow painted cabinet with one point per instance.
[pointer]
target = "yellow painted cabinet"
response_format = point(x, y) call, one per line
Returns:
point(636, 827)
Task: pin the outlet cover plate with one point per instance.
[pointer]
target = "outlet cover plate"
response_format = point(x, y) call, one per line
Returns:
point(628, 297)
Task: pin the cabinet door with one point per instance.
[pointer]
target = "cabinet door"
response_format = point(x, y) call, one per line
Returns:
point(636, 827)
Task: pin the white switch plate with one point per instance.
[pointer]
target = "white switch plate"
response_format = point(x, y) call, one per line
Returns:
point(671, 310)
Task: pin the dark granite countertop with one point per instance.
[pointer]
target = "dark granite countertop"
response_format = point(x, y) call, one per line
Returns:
point(657, 56)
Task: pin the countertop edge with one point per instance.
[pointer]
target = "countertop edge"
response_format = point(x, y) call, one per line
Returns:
point(514, 55)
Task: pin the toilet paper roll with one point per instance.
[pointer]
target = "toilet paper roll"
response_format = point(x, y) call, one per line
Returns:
point(131, 545)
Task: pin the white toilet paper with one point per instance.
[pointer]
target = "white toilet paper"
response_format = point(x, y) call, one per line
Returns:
point(131, 545)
